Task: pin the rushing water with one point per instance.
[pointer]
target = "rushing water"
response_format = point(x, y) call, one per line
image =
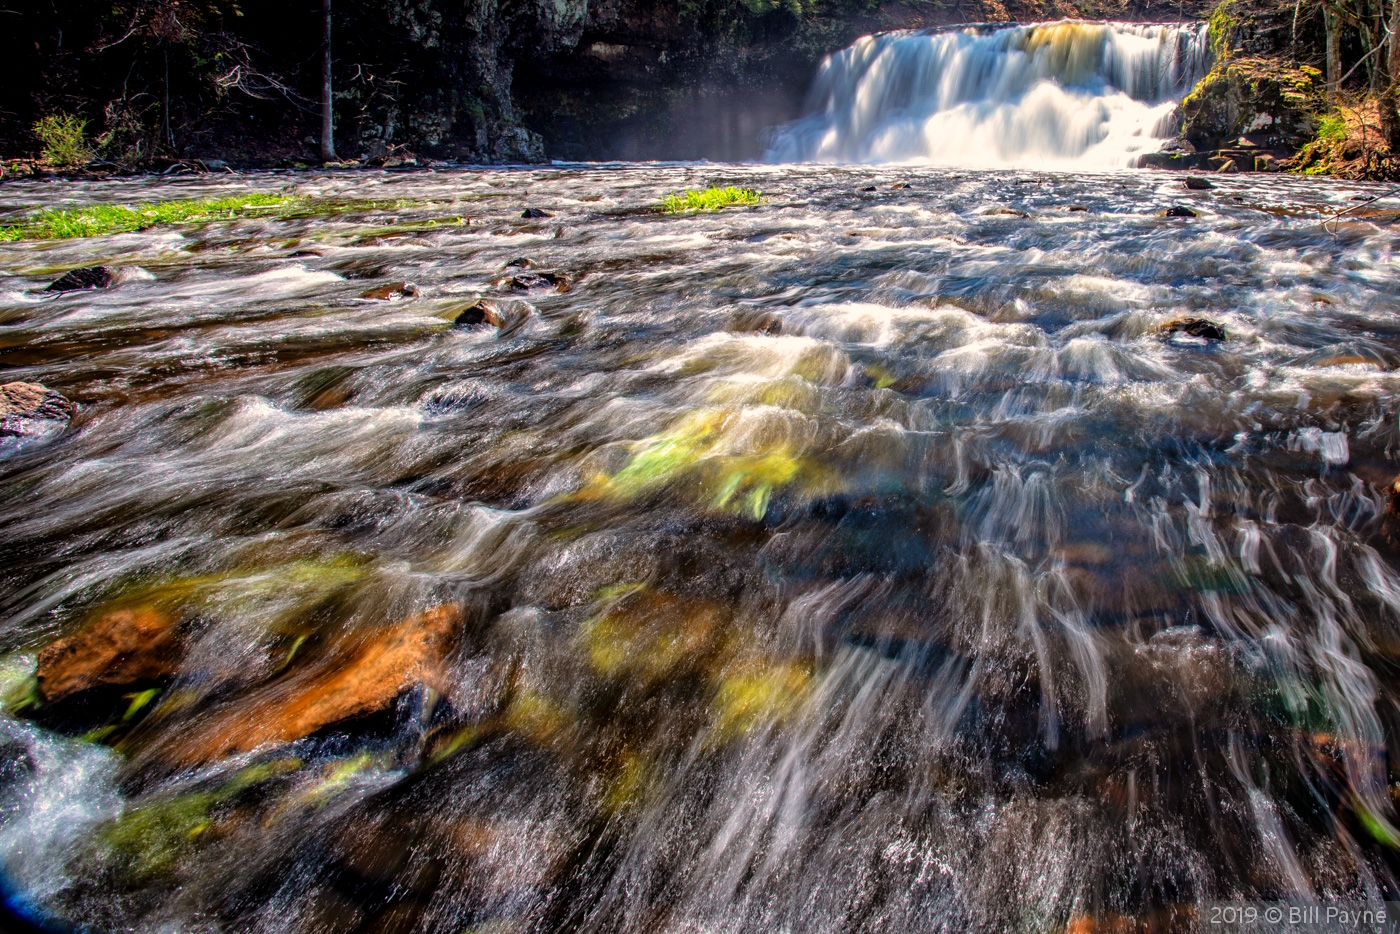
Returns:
point(1087, 95)
point(863, 560)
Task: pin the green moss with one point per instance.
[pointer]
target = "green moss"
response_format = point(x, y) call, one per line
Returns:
point(1220, 30)
point(711, 199)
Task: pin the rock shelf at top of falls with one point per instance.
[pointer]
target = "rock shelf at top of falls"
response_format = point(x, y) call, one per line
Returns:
point(910, 551)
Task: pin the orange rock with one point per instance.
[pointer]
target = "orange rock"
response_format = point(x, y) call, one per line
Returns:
point(354, 681)
point(121, 647)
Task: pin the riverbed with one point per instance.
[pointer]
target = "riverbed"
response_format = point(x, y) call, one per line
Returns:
point(887, 555)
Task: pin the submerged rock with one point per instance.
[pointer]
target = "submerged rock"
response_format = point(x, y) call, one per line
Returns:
point(534, 214)
point(478, 313)
point(1196, 183)
point(391, 291)
point(355, 678)
point(1177, 210)
point(88, 277)
point(32, 410)
point(1194, 327)
point(124, 646)
point(534, 280)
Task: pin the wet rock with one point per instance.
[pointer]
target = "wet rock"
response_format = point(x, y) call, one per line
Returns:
point(30, 410)
point(1012, 212)
point(534, 214)
point(1196, 183)
point(302, 254)
point(522, 262)
point(898, 185)
point(754, 321)
point(88, 277)
point(1227, 166)
point(478, 313)
point(870, 188)
point(1078, 207)
point(1194, 327)
point(124, 646)
point(392, 291)
point(1177, 210)
point(361, 675)
point(533, 280)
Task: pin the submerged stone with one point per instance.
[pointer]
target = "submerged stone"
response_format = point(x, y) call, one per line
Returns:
point(32, 410)
point(1195, 327)
point(391, 291)
point(88, 277)
point(356, 677)
point(1177, 210)
point(124, 646)
point(534, 214)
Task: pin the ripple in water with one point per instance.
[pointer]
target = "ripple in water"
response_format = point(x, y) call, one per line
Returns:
point(865, 559)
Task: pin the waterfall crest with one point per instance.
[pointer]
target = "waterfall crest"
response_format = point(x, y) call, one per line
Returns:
point(1045, 95)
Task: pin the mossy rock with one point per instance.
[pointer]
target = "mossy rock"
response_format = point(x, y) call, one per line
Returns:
point(1272, 102)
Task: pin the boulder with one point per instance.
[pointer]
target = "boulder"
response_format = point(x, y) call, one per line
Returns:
point(88, 277)
point(361, 675)
point(1271, 100)
point(30, 410)
point(1196, 183)
point(125, 646)
point(1194, 327)
point(1178, 210)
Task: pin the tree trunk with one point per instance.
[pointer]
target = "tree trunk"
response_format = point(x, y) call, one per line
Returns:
point(327, 102)
point(1390, 100)
point(1334, 52)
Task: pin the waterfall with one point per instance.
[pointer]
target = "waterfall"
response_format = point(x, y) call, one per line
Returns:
point(1050, 94)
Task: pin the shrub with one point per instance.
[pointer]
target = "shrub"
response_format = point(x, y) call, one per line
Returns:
point(711, 199)
point(1332, 127)
point(62, 136)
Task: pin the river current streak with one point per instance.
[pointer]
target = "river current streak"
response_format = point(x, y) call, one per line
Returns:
point(876, 557)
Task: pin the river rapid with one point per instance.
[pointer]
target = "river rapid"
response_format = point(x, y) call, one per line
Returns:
point(871, 558)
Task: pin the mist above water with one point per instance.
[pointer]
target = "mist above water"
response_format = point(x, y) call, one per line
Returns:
point(1065, 94)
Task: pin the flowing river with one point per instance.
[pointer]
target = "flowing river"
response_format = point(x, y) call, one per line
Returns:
point(877, 557)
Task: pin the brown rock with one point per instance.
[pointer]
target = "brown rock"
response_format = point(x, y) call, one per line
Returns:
point(354, 680)
point(480, 312)
point(33, 400)
point(391, 291)
point(120, 647)
point(1194, 327)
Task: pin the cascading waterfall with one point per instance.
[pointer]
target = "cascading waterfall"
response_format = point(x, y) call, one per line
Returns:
point(1091, 95)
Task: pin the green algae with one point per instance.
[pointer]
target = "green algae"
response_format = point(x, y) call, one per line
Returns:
point(698, 450)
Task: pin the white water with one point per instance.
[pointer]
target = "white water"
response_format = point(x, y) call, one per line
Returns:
point(1066, 94)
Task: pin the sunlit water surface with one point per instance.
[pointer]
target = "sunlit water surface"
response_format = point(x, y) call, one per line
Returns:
point(863, 560)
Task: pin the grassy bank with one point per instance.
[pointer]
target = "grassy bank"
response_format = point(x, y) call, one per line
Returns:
point(98, 219)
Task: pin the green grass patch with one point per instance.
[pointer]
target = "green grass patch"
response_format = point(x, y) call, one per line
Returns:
point(711, 199)
point(98, 219)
